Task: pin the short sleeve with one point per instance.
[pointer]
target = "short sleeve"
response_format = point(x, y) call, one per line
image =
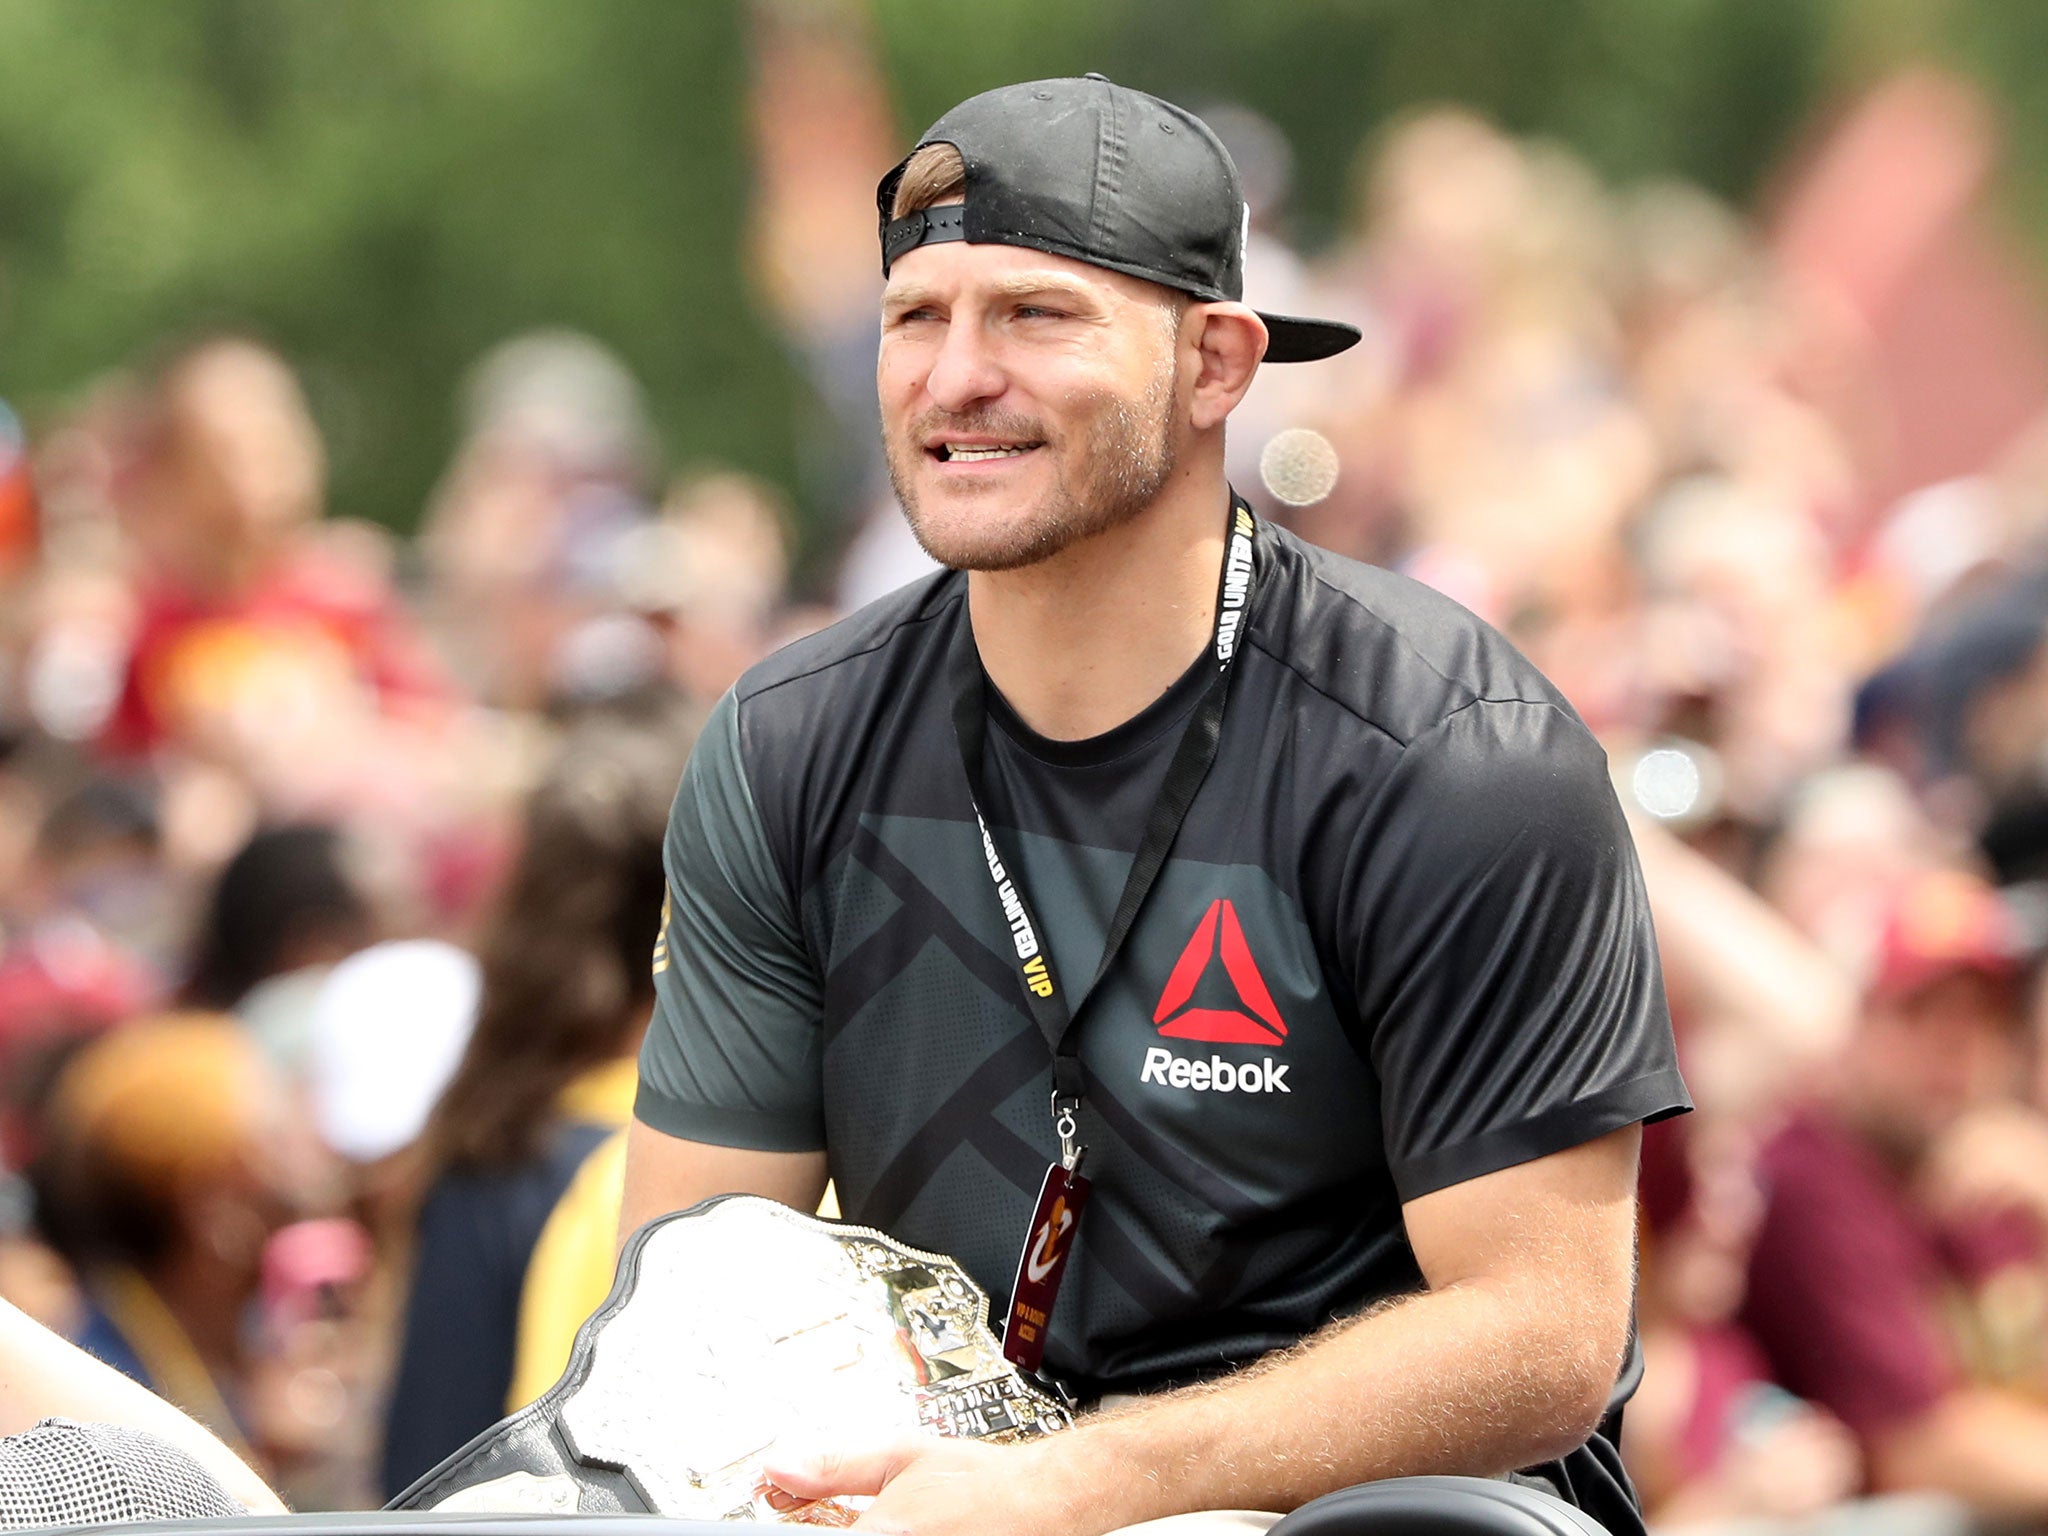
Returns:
point(734, 1054)
point(1507, 972)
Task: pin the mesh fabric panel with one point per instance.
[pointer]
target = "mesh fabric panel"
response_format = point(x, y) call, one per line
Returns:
point(61, 1473)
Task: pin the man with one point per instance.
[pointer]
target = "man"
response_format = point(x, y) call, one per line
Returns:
point(1897, 1277)
point(1359, 1083)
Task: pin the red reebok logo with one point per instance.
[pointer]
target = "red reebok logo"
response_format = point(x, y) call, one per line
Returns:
point(1180, 1016)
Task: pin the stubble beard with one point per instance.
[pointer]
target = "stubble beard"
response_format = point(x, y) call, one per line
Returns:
point(1121, 465)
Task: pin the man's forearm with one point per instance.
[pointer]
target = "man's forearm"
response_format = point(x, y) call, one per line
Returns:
point(1472, 1379)
point(1507, 1360)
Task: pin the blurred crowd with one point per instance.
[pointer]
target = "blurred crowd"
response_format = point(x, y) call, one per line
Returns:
point(330, 868)
point(330, 861)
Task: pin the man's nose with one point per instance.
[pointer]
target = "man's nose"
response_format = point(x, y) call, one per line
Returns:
point(965, 373)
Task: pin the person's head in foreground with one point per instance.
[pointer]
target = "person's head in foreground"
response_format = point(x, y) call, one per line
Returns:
point(1063, 330)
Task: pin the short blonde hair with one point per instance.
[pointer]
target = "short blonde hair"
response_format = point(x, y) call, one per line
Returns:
point(935, 174)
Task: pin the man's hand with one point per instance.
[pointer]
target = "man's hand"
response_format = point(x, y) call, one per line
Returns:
point(930, 1487)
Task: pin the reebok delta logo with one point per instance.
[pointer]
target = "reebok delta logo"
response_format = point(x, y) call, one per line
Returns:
point(1217, 994)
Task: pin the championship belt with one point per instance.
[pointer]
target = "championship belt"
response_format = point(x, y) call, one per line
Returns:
point(730, 1326)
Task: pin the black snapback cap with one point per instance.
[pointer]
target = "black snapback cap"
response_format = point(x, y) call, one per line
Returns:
point(1095, 171)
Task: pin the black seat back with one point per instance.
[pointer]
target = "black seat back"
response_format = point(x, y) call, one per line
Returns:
point(1439, 1506)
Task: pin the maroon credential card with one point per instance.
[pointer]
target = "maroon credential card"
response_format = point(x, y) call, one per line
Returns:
point(1040, 1266)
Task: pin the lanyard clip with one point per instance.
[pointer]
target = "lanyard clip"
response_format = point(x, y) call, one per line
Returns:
point(1064, 1126)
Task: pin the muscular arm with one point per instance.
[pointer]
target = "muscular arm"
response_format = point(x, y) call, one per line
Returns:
point(665, 1173)
point(731, 1078)
point(1506, 1360)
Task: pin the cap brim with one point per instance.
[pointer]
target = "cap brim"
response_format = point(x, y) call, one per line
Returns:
point(1293, 339)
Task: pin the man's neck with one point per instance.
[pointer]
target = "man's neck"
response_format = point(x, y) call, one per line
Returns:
point(1081, 642)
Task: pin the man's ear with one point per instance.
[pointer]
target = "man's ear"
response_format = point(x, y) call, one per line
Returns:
point(1228, 339)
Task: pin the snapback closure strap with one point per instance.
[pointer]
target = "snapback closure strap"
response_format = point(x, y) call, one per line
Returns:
point(927, 226)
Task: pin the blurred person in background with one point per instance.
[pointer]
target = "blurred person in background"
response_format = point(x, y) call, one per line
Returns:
point(548, 1077)
point(171, 1159)
point(1737, 643)
point(1845, 841)
point(1896, 1277)
point(97, 867)
point(528, 532)
point(284, 910)
point(251, 617)
point(86, 940)
point(818, 116)
point(82, 949)
point(270, 671)
point(17, 498)
point(1973, 686)
point(1710, 1438)
point(383, 1033)
point(72, 609)
point(713, 572)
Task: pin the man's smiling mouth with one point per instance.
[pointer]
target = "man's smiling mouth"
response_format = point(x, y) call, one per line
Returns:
point(975, 453)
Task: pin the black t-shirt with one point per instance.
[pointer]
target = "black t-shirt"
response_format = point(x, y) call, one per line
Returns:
point(1401, 942)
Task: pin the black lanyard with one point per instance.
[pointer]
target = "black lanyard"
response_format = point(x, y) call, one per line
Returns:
point(1047, 1001)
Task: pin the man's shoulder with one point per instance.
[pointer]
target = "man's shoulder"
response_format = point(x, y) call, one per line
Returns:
point(859, 651)
point(1398, 655)
point(805, 717)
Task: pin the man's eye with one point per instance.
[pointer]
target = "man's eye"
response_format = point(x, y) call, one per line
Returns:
point(1039, 312)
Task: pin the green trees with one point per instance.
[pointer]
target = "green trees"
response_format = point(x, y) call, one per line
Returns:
point(386, 187)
